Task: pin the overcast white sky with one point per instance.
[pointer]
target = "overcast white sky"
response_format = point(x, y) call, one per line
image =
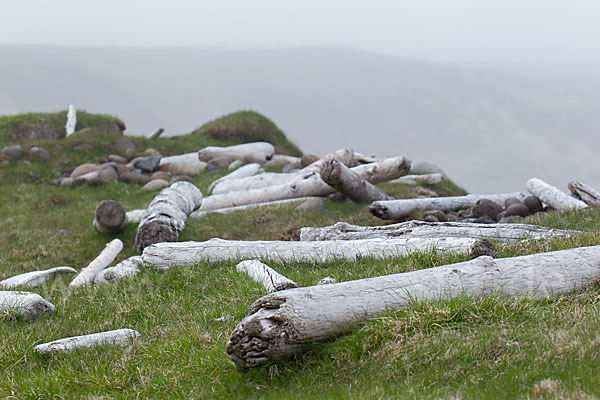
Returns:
point(492, 32)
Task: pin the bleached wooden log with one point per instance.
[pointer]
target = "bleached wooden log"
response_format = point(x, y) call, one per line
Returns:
point(119, 337)
point(428, 179)
point(260, 150)
point(399, 209)
point(284, 323)
point(383, 170)
point(35, 278)
point(134, 216)
point(188, 158)
point(165, 255)
point(71, 120)
point(265, 275)
point(201, 214)
point(364, 159)
point(411, 229)
point(106, 256)
point(125, 268)
point(156, 133)
point(552, 196)
point(244, 171)
point(281, 160)
point(583, 192)
point(110, 217)
point(350, 184)
point(166, 216)
point(28, 305)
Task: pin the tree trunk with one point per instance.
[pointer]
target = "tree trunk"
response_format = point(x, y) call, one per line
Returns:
point(125, 268)
point(552, 196)
point(28, 305)
point(106, 256)
point(350, 184)
point(119, 337)
point(266, 276)
point(260, 150)
point(412, 229)
point(165, 255)
point(399, 209)
point(187, 158)
point(35, 278)
point(284, 323)
point(428, 179)
point(281, 160)
point(71, 120)
point(201, 214)
point(166, 216)
point(244, 171)
point(156, 133)
point(583, 192)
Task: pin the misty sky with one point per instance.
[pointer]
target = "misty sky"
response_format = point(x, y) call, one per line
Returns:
point(495, 33)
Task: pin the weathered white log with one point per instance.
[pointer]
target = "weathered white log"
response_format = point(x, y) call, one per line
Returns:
point(281, 160)
point(364, 159)
point(328, 280)
point(552, 196)
point(35, 278)
point(166, 216)
point(411, 229)
point(106, 256)
point(383, 170)
point(134, 216)
point(583, 192)
point(119, 337)
point(166, 255)
point(399, 209)
point(28, 305)
point(244, 171)
point(71, 120)
point(428, 179)
point(284, 323)
point(156, 133)
point(271, 280)
point(125, 268)
point(342, 178)
point(201, 214)
point(188, 158)
point(262, 151)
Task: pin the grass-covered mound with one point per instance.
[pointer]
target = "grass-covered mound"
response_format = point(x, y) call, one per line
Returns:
point(248, 126)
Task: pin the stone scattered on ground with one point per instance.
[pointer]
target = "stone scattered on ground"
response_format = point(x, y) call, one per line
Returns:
point(149, 164)
point(84, 169)
point(125, 144)
point(308, 159)
point(160, 175)
point(39, 154)
point(155, 184)
point(425, 167)
point(420, 191)
point(117, 159)
point(13, 152)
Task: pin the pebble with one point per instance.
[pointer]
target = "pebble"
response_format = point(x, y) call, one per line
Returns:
point(14, 152)
point(533, 203)
point(186, 168)
point(134, 177)
point(308, 159)
point(510, 201)
point(519, 209)
point(154, 185)
point(106, 175)
point(39, 153)
point(179, 178)
point(488, 208)
point(439, 215)
point(235, 164)
point(125, 144)
point(149, 164)
point(152, 152)
point(160, 175)
point(117, 159)
point(84, 169)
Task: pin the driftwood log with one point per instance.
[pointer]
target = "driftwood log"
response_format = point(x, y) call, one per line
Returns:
point(166, 216)
point(106, 256)
point(284, 323)
point(187, 158)
point(423, 229)
point(156, 133)
point(166, 255)
point(400, 209)
point(119, 337)
point(71, 120)
point(281, 160)
point(357, 189)
point(261, 151)
point(552, 196)
point(428, 179)
point(125, 268)
point(242, 172)
point(271, 280)
point(583, 192)
point(201, 214)
point(35, 278)
point(28, 305)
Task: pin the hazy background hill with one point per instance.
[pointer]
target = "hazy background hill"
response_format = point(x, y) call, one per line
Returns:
point(490, 131)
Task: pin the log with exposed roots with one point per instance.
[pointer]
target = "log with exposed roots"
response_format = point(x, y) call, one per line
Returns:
point(119, 337)
point(27, 305)
point(106, 256)
point(552, 196)
point(262, 151)
point(357, 189)
point(271, 280)
point(284, 323)
point(583, 192)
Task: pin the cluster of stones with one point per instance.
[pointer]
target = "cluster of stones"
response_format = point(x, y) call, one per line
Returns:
point(15, 153)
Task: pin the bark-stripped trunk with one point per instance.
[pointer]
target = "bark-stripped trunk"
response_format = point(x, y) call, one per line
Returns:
point(262, 151)
point(428, 179)
point(35, 278)
point(411, 229)
point(350, 184)
point(187, 158)
point(201, 214)
point(281, 160)
point(119, 337)
point(166, 255)
point(156, 133)
point(122, 270)
point(583, 192)
point(552, 196)
point(284, 323)
point(28, 305)
point(71, 120)
point(106, 256)
point(271, 280)
point(166, 216)
point(244, 171)
point(399, 209)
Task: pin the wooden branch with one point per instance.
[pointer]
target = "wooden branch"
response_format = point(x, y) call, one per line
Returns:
point(166, 216)
point(156, 133)
point(242, 172)
point(119, 337)
point(188, 158)
point(552, 196)
point(583, 192)
point(165, 255)
point(71, 120)
point(201, 214)
point(88, 274)
point(350, 184)
point(260, 150)
point(281, 160)
point(28, 305)
point(412, 229)
point(266, 276)
point(125, 268)
point(428, 179)
point(399, 209)
point(282, 324)
point(35, 278)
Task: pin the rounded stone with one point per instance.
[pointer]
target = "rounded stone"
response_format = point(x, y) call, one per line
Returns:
point(510, 201)
point(160, 175)
point(311, 204)
point(426, 167)
point(130, 153)
point(14, 152)
point(308, 159)
point(149, 164)
point(39, 153)
point(519, 209)
point(533, 203)
point(84, 169)
point(134, 177)
point(485, 207)
point(221, 162)
point(106, 175)
point(117, 159)
point(439, 215)
point(155, 184)
point(179, 178)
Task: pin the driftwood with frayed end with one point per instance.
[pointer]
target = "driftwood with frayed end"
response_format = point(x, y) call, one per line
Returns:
point(28, 305)
point(271, 280)
point(423, 229)
point(88, 274)
point(552, 196)
point(166, 216)
point(400, 209)
point(119, 337)
point(583, 192)
point(110, 217)
point(342, 178)
point(35, 278)
point(166, 255)
point(244, 171)
point(284, 323)
point(156, 133)
point(125, 268)
point(201, 214)
point(261, 151)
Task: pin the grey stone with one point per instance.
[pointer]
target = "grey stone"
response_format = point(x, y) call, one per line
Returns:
point(121, 169)
point(134, 177)
point(149, 164)
point(106, 175)
point(311, 204)
point(84, 169)
point(519, 209)
point(39, 153)
point(510, 201)
point(308, 159)
point(211, 169)
point(533, 203)
point(431, 218)
point(485, 207)
point(510, 219)
point(125, 144)
point(221, 162)
point(160, 175)
point(439, 215)
point(466, 213)
point(14, 152)
point(152, 152)
point(129, 154)
point(117, 159)
point(154, 185)
point(452, 216)
point(426, 167)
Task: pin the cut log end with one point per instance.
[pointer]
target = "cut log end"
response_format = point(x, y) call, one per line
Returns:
point(110, 216)
point(379, 210)
point(154, 232)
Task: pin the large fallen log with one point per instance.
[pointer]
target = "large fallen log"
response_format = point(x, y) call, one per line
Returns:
point(201, 214)
point(106, 256)
point(265, 275)
point(284, 323)
point(423, 229)
point(28, 305)
point(166, 255)
point(399, 209)
point(583, 192)
point(262, 151)
point(357, 189)
point(242, 172)
point(119, 337)
point(552, 196)
point(166, 216)
point(35, 278)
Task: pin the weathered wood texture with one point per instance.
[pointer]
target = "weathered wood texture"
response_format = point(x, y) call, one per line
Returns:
point(342, 178)
point(125, 268)
point(28, 305)
point(106, 256)
point(583, 192)
point(166, 216)
point(166, 255)
point(35, 278)
point(400, 209)
point(271, 280)
point(428, 179)
point(187, 158)
point(201, 214)
point(71, 120)
point(552, 196)
point(281, 160)
point(242, 172)
point(156, 133)
point(119, 337)
point(284, 323)
point(262, 151)
point(410, 229)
